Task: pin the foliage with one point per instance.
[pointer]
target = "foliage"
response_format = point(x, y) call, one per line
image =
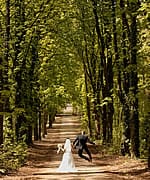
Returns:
point(144, 136)
point(14, 156)
point(12, 153)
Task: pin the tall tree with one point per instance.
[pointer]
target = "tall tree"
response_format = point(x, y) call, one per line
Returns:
point(134, 115)
point(19, 65)
point(103, 21)
point(1, 87)
point(124, 82)
point(1, 104)
point(128, 85)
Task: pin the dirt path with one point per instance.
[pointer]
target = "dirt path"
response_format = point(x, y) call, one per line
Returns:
point(43, 160)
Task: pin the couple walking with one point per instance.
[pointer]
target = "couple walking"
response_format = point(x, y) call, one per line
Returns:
point(67, 164)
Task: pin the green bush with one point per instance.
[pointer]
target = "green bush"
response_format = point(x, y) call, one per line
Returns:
point(12, 156)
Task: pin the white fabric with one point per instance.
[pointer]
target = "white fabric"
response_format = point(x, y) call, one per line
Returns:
point(67, 163)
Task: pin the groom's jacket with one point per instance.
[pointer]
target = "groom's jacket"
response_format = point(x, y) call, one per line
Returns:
point(80, 142)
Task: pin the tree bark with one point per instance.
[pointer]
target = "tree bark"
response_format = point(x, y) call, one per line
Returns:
point(45, 119)
point(40, 124)
point(36, 135)
point(124, 82)
point(1, 104)
point(6, 107)
point(88, 109)
point(29, 136)
point(1, 126)
point(19, 64)
point(134, 118)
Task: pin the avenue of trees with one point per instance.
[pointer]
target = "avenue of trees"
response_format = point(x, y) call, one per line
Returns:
point(93, 54)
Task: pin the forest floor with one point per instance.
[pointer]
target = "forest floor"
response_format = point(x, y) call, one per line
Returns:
point(43, 160)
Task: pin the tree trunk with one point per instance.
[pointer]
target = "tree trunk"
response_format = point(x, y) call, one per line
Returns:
point(134, 118)
point(19, 64)
point(40, 124)
point(124, 83)
point(1, 104)
point(87, 78)
point(149, 157)
point(45, 118)
point(36, 135)
point(1, 126)
point(104, 123)
point(108, 75)
point(6, 107)
point(100, 81)
point(51, 117)
point(29, 136)
point(88, 109)
point(97, 115)
point(148, 137)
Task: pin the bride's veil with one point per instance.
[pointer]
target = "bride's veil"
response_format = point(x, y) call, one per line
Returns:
point(67, 145)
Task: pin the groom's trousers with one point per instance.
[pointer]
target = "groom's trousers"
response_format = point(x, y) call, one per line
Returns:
point(80, 151)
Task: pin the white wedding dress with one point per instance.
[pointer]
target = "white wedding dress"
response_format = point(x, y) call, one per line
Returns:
point(67, 164)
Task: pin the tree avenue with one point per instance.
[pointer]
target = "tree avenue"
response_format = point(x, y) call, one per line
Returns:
point(91, 54)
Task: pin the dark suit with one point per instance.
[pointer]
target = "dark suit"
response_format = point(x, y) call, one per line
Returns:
point(80, 144)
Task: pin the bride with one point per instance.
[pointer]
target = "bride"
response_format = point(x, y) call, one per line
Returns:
point(67, 163)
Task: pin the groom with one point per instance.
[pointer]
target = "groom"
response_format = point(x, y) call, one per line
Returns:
point(80, 144)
